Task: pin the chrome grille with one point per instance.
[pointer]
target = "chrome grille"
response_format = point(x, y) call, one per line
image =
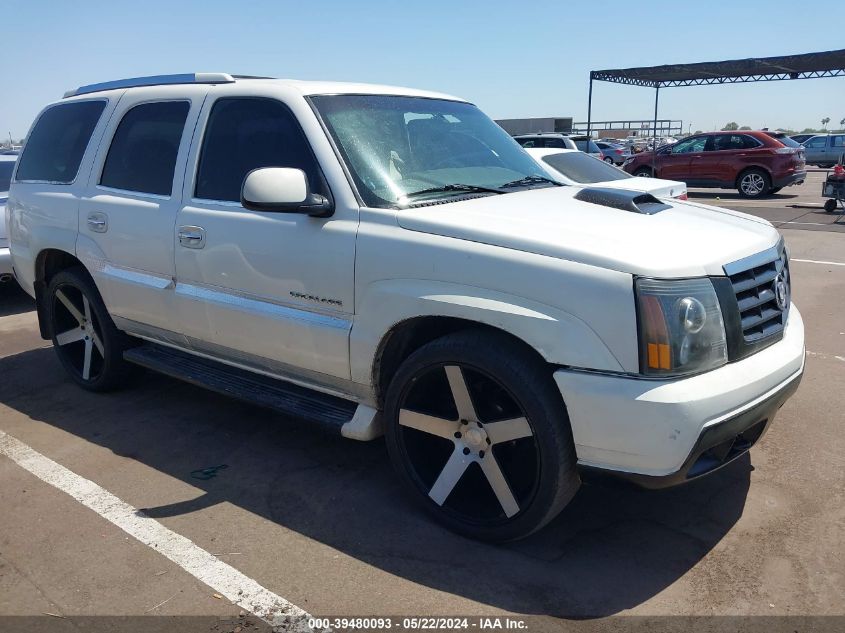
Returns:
point(757, 285)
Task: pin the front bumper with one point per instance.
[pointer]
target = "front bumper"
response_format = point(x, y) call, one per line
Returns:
point(5, 261)
point(718, 444)
point(664, 431)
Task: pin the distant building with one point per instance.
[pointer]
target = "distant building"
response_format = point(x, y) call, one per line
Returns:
point(531, 126)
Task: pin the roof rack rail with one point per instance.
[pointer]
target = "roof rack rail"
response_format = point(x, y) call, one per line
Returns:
point(154, 80)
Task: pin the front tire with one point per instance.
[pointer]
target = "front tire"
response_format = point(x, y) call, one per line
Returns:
point(480, 437)
point(86, 340)
point(754, 183)
point(644, 172)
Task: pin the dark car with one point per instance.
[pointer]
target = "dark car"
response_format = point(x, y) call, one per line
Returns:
point(754, 163)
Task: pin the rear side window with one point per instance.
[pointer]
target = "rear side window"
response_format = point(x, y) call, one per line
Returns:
point(838, 141)
point(583, 168)
point(243, 134)
point(55, 146)
point(734, 141)
point(142, 156)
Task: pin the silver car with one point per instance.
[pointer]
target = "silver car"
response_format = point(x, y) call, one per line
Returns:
point(7, 165)
point(824, 150)
point(614, 153)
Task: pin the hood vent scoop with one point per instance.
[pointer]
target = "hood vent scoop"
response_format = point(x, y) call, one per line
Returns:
point(633, 201)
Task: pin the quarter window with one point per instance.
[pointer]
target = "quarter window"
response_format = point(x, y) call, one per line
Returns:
point(56, 145)
point(243, 134)
point(142, 156)
point(838, 140)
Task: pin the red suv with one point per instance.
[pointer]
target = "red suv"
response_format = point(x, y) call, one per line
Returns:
point(755, 163)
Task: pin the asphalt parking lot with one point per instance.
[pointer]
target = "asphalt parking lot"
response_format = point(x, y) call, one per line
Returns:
point(321, 521)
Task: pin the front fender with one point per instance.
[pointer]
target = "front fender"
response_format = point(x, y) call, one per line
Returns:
point(558, 336)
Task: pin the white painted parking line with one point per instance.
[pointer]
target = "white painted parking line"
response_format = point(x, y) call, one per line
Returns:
point(814, 261)
point(205, 567)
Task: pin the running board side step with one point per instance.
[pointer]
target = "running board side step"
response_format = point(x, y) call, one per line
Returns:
point(329, 412)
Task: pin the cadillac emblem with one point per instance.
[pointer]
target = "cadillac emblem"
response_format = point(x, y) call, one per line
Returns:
point(781, 292)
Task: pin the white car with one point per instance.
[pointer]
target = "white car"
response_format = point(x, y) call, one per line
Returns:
point(384, 260)
point(7, 165)
point(573, 167)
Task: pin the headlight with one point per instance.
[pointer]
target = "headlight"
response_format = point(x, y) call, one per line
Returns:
point(681, 328)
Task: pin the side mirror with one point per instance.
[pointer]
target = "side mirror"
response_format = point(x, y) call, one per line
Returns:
point(283, 190)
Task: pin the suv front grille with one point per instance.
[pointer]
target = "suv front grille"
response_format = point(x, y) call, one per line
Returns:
point(760, 287)
point(756, 292)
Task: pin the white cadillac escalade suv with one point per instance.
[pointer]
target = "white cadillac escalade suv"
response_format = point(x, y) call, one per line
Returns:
point(384, 260)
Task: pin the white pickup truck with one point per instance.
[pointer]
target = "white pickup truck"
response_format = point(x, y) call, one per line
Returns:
point(381, 260)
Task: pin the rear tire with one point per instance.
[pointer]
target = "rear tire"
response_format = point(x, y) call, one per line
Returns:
point(608, 159)
point(754, 183)
point(84, 336)
point(480, 437)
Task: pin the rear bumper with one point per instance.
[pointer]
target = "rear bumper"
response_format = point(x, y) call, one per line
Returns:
point(790, 179)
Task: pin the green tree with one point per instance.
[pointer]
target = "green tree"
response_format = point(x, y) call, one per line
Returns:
point(697, 132)
point(744, 127)
point(731, 126)
point(825, 121)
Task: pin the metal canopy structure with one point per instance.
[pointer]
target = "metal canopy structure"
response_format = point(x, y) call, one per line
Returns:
point(804, 66)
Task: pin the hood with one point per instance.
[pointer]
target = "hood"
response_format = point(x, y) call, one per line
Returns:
point(655, 186)
point(681, 240)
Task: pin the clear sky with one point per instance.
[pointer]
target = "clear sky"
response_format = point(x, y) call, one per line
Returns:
point(513, 59)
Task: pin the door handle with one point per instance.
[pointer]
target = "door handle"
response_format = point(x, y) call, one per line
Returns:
point(191, 236)
point(98, 222)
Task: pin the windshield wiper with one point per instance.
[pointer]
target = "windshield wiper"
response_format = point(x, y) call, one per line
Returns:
point(530, 180)
point(457, 187)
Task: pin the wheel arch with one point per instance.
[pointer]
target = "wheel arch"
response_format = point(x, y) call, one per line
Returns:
point(409, 335)
point(48, 263)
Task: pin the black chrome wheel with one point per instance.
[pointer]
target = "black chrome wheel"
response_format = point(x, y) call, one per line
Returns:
point(77, 334)
point(86, 340)
point(480, 436)
point(468, 443)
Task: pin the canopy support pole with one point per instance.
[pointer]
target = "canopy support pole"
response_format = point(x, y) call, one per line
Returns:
point(654, 137)
point(589, 112)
